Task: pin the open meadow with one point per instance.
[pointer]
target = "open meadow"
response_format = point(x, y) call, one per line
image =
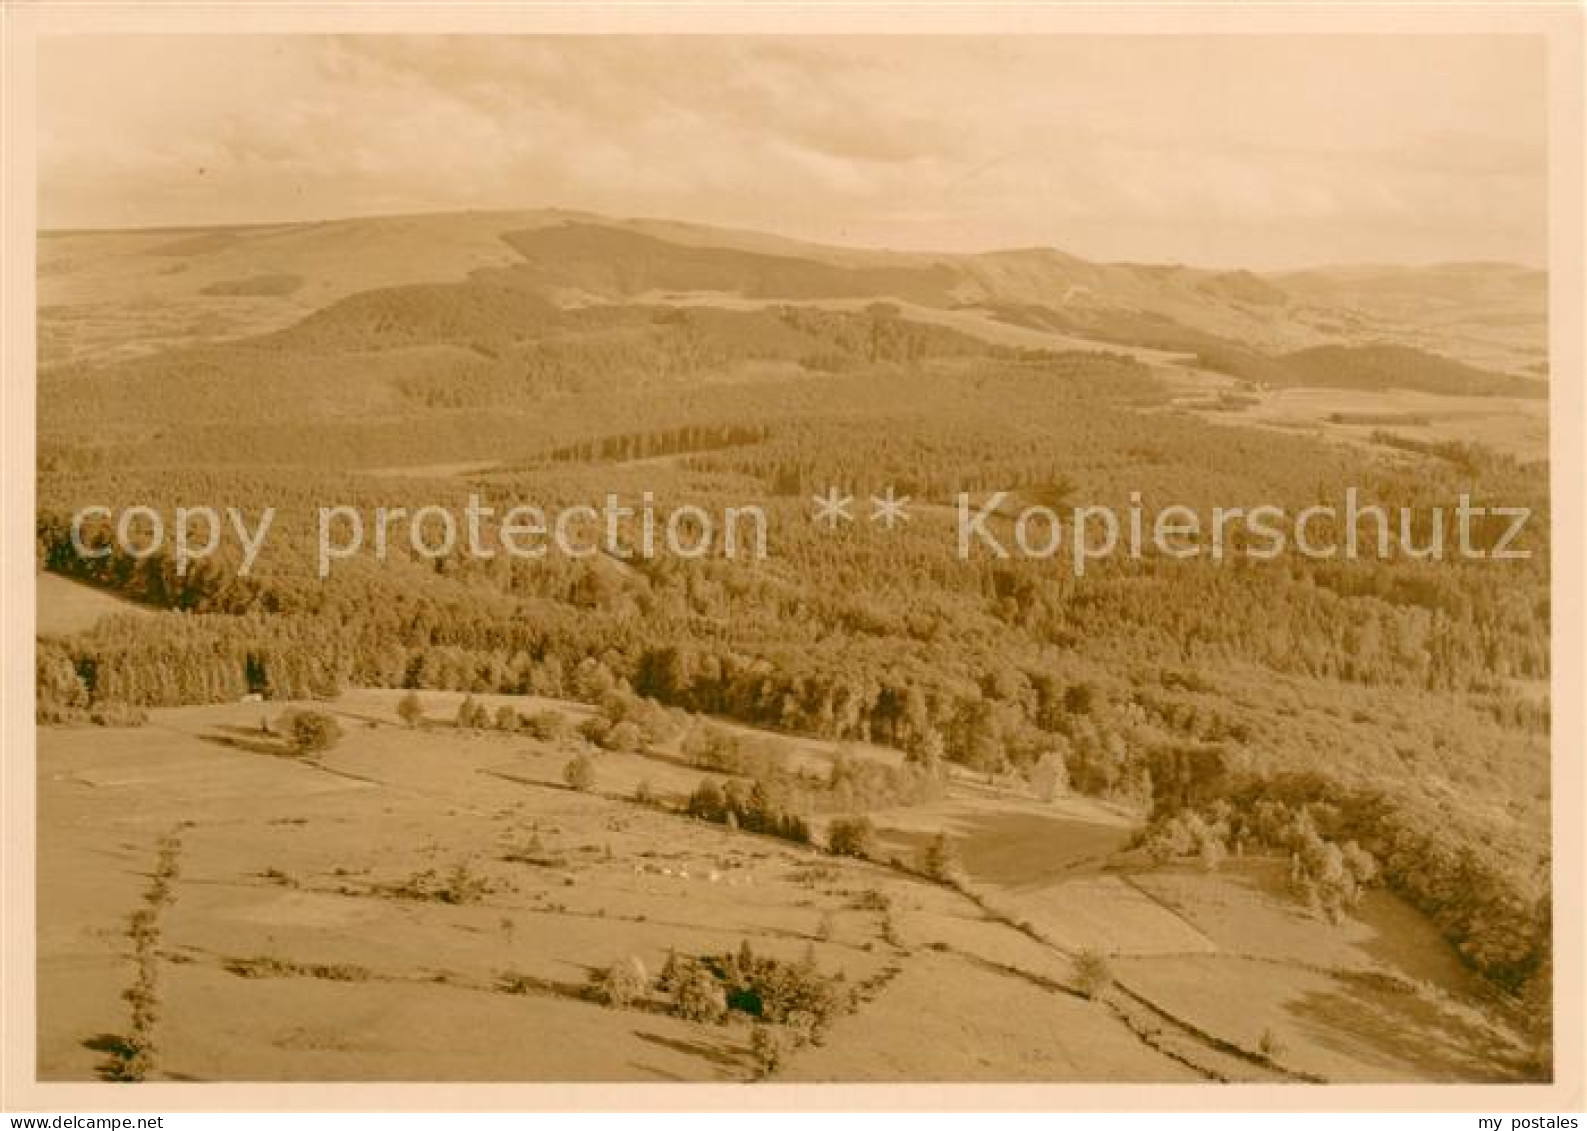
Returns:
point(425, 901)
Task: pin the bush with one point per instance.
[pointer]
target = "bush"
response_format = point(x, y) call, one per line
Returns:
point(1093, 975)
point(579, 773)
point(712, 748)
point(858, 784)
point(1212, 854)
point(773, 990)
point(547, 726)
point(751, 810)
point(625, 738)
point(768, 1047)
point(767, 989)
point(940, 860)
point(459, 886)
point(620, 984)
point(707, 803)
point(1321, 876)
point(851, 836)
point(697, 994)
point(472, 714)
point(1270, 1046)
point(410, 710)
point(311, 732)
point(1186, 833)
point(646, 721)
point(117, 715)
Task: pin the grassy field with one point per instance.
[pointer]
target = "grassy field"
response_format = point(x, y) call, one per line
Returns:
point(65, 606)
point(428, 903)
point(1512, 426)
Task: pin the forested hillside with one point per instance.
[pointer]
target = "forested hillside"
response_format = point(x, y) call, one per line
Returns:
point(1405, 691)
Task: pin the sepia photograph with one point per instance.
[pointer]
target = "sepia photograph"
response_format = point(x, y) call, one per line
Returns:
point(670, 550)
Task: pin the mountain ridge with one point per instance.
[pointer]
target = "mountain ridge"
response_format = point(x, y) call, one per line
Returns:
point(749, 234)
point(217, 282)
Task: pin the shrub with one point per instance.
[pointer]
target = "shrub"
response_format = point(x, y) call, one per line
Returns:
point(130, 1061)
point(940, 860)
point(620, 984)
point(472, 714)
point(117, 715)
point(461, 885)
point(1093, 975)
point(751, 810)
point(506, 718)
point(1049, 777)
point(770, 990)
point(773, 990)
point(858, 784)
point(1186, 833)
point(625, 738)
point(1361, 864)
point(622, 737)
point(851, 836)
point(579, 773)
point(712, 748)
point(1212, 854)
point(647, 720)
point(1321, 876)
point(768, 1047)
point(697, 995)
point(827, 927)
point(890, 934)
point(311, 732)
point(547, 726)
point(410, 710)
point(707, 803)
point(1270, 1046)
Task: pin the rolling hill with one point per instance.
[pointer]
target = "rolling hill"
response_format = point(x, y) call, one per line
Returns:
point(392, 327)
point(211, 284)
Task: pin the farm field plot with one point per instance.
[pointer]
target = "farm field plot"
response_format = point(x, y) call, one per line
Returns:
point(299, 946)
point(427, 900)
point(66, 606)
point(1515, 427)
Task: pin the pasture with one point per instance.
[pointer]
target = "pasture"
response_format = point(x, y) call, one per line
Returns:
point(421, 901)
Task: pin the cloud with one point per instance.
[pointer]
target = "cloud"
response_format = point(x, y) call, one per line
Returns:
point(1228, 150)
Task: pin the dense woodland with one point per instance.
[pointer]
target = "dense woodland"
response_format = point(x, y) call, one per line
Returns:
point(1394, 705)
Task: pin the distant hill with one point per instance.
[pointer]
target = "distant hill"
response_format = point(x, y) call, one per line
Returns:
point(621, 263)
point(1492, 315)
point(1401, 367)
point(1373, 367)
point(1410, 290)
point(216, 284)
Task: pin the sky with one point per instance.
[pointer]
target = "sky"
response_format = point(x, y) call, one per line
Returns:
point(1231, 151)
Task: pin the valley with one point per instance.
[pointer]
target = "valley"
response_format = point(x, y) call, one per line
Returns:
point(861, 808)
